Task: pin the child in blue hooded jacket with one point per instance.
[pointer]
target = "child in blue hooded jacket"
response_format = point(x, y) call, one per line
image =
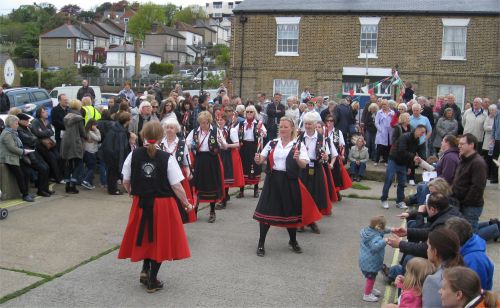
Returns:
point(371, 255)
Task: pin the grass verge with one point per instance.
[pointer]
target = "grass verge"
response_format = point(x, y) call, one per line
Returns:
point(359, 186)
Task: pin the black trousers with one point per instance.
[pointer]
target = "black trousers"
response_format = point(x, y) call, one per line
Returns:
point(72, 166)
point(113, 175)
point(42, 169)
point(51, 157)
point(22, 175)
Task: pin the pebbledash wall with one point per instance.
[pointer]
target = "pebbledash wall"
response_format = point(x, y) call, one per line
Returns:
point(330, 42)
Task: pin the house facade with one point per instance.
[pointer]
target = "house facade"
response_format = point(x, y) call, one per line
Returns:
point(441, 47)
point(117, 67)
point(168, 43)
point(101, 41)
point(219, 9)
point(209, 34)
point(66, 46)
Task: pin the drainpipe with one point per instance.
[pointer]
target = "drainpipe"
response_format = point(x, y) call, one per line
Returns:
point(243, 20)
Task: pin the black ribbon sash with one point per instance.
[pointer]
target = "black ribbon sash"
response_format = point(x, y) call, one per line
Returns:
point(147, 205)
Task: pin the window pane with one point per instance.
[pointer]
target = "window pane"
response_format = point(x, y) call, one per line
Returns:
point(286, 87)
point(288, 36)
point(368, 39)
point(454, 44)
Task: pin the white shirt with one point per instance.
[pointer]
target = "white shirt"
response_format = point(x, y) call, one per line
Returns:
point(248, 132)
point(203, 139)
point(281, 153)
point(174, 172)
point(341, 137)
point(172, 148)
point(310, 143)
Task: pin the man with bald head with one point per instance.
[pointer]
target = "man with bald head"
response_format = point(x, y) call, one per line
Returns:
point(473, 121)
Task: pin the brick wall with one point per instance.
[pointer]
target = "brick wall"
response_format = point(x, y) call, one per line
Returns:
point(327, 43)
point(55, 53)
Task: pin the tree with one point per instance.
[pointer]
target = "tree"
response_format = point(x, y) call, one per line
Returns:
point(86, 15)
point(170, 10)
point(103, 7)
point(221, 54)
point(190, 14)
point(70, 10)
point(140, 24)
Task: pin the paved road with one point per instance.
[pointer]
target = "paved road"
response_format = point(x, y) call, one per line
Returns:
point(224, 270)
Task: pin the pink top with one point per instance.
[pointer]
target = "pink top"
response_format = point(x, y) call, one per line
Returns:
point(410, 299)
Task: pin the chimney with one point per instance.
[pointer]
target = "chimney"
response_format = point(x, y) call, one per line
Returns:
point(154, 28)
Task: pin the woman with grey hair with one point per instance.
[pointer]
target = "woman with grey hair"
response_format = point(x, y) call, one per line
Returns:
point(176, 147)
point(488, 146)
point(11, 154)
point(446, 125)
point(292, 110)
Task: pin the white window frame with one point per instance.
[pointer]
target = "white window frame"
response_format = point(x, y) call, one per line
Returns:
point(459, 23)
point(368, 21)
point(68, 44)
point(459, 92)
point(287, 21)
point(285, 95)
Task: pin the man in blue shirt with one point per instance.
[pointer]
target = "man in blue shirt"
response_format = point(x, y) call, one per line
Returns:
point(418, 119)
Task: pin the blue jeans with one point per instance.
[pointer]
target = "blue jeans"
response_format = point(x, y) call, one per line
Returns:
point(357, 170)
point(472, 215)
point(102, 173)
point(422, 192)
point(90, 161)
point(399, 269)
point(400, 171)
point(486, 231)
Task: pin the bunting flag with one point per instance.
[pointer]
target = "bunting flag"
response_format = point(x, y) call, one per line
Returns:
point(365, 89)
point(371, 91)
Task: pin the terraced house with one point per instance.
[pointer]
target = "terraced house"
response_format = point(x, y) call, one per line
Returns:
point(445, 46)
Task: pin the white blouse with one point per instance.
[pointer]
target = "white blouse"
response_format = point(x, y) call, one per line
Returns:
point(281, 153)
point(203, 138)
point(310, 143)
point(248, 132)
point(174, 172)
point(172, 148)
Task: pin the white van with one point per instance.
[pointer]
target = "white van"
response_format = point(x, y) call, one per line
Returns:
point(71, 92)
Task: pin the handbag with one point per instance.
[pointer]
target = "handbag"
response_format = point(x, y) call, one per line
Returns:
point(48, 143)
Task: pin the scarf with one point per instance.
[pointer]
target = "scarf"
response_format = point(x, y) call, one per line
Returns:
point(249, 124)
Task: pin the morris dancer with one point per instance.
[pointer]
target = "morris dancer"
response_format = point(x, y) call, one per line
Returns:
point(284, 201)
point(208, 176)
point(327, 166)
point(154, 231)
point(178, 149)
point(250, 135)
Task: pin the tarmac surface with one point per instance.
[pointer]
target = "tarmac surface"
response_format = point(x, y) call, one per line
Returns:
point(61, 252)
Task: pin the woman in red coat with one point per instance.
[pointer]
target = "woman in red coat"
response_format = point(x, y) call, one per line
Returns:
point(154, 231)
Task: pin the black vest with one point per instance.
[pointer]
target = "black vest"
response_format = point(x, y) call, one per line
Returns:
point(241, 131)
point(319, 144)
point(292, 168)
point(213, 145)
point(149, 175)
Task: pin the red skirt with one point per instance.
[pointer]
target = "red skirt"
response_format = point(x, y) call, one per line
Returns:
point(346, 179)
point(332, 191)
point(169, 239)
point(192, 217)
point(239, 179)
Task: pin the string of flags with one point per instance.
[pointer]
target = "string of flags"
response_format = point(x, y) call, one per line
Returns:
point(394, 80)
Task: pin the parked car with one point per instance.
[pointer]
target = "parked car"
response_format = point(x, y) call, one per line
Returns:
point(29, 99)
point(186, 73)
point(54, 69)
point(105, 97)
point(71, 92)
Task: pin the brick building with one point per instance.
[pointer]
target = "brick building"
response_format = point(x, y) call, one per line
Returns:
point(440, 46)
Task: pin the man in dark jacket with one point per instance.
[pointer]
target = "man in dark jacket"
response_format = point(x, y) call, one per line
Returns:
point(344, 118)
point(401, 155)
point(457, 114)
point(4, 102)
point(36, 162)
point(57, 115)
point(274, 111)
point(470, 180)
point(437, 211)
point(85, 90)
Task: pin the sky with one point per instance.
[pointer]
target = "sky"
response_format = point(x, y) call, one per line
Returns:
point(6, 6)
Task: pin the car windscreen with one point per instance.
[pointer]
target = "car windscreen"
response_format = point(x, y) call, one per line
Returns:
point(40, 96)
point(22, 98)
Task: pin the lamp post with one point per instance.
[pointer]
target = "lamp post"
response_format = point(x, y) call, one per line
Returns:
point(203, 51)
point(125, 20)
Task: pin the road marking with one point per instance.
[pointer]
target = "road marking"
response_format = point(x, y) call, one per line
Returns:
point(389, 288)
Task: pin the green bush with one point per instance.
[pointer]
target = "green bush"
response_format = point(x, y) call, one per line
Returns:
point(161, 68)
point(49, 79)
point(89, 70)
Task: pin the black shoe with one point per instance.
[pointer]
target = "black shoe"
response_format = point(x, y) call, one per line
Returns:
point(28, 198)
point(154, 285)
point(43, 194)
point(314, 228)
point(211, 218)
point(73, 189)
point(256, 194)
point(68, 187)
point(261, 251)
point(220, 206)
point(143, 278)
point(116, 193)
point(295, 247)
point(494, 182)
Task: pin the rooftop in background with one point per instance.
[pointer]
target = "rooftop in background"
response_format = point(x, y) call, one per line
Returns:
point(478, 7)
point(182, 26)
point(65, 31)
point(158, 29)
point(130, 48)
point(94, 30)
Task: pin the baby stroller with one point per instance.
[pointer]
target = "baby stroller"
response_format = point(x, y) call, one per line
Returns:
point(3, 212)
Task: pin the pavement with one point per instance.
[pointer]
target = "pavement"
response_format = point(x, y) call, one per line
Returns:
point(61, 251)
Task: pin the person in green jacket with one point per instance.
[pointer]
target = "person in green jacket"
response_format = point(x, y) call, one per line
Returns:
point(358, 156)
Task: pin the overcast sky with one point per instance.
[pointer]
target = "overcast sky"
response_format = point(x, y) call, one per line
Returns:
point(6, 6)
